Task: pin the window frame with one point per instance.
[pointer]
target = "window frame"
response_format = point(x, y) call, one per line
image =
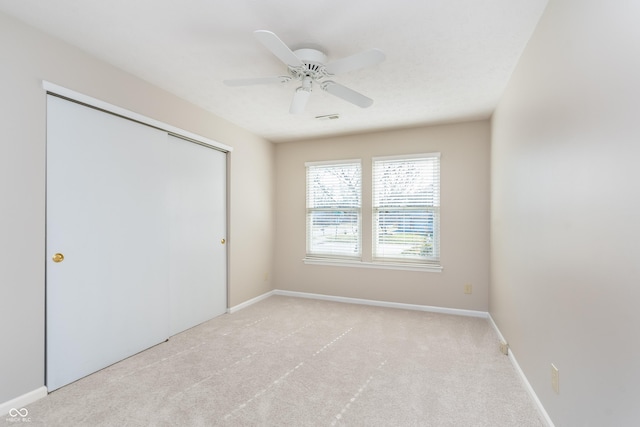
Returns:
point(365, 257)
point(326, 256)
point(434, 209)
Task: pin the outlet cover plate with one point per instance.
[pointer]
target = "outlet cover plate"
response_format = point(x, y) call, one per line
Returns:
point(504, 348)
point(555, 379)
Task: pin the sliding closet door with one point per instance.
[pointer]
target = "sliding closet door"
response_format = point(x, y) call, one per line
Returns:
point(106, 203)
point(197, 209)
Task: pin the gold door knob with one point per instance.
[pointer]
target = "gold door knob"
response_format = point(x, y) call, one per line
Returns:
point(58, 257)
point(223, 241)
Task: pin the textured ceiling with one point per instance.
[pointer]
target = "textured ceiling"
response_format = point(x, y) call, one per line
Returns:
point(446, 60)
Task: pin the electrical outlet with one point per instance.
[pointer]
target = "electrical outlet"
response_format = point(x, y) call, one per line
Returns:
point(555, 379)
point(468, 289)
point(504, 348)
point(266, 277)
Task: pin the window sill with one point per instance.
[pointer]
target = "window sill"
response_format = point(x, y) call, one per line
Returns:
point(381, 265)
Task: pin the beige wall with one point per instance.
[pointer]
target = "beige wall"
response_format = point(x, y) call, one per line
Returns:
point(464, 211)
point(565, 253)
point(26, 58)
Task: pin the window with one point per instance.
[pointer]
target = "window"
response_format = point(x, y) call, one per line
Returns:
point(406, 209)
point(403, 198)
point(334, 209)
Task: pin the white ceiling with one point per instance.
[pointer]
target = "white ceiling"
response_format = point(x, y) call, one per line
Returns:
point(446, 60)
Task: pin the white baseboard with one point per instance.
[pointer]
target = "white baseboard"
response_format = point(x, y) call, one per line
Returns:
point(525, 381)
point(433, 309)
point(443, 310)
point(22, 401)
point(249, 302)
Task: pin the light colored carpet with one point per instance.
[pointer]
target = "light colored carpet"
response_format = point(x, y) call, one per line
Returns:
point(298, 362)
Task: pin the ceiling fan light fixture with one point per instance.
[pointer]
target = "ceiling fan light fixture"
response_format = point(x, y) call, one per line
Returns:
point(300, 99)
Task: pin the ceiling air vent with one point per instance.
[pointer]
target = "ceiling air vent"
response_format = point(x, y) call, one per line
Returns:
point(328, 117)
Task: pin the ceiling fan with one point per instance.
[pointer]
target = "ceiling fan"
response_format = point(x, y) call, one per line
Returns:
point(309, 65)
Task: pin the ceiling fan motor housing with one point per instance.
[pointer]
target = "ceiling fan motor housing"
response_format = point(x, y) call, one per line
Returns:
point(313, 65)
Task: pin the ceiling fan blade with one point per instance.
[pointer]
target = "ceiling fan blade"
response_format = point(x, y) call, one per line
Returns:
point(363, 59)
point(277, 47)
point(256, 81)
point(347, 94)
point(299, 101)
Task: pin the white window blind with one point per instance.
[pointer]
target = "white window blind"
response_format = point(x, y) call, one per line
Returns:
point(406, 208)
point(334, 209)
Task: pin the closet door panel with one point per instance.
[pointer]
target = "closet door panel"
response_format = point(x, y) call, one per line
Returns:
point(197, 216)
point(106, 213)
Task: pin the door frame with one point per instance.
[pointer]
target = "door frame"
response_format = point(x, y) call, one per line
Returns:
point(98, 104)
